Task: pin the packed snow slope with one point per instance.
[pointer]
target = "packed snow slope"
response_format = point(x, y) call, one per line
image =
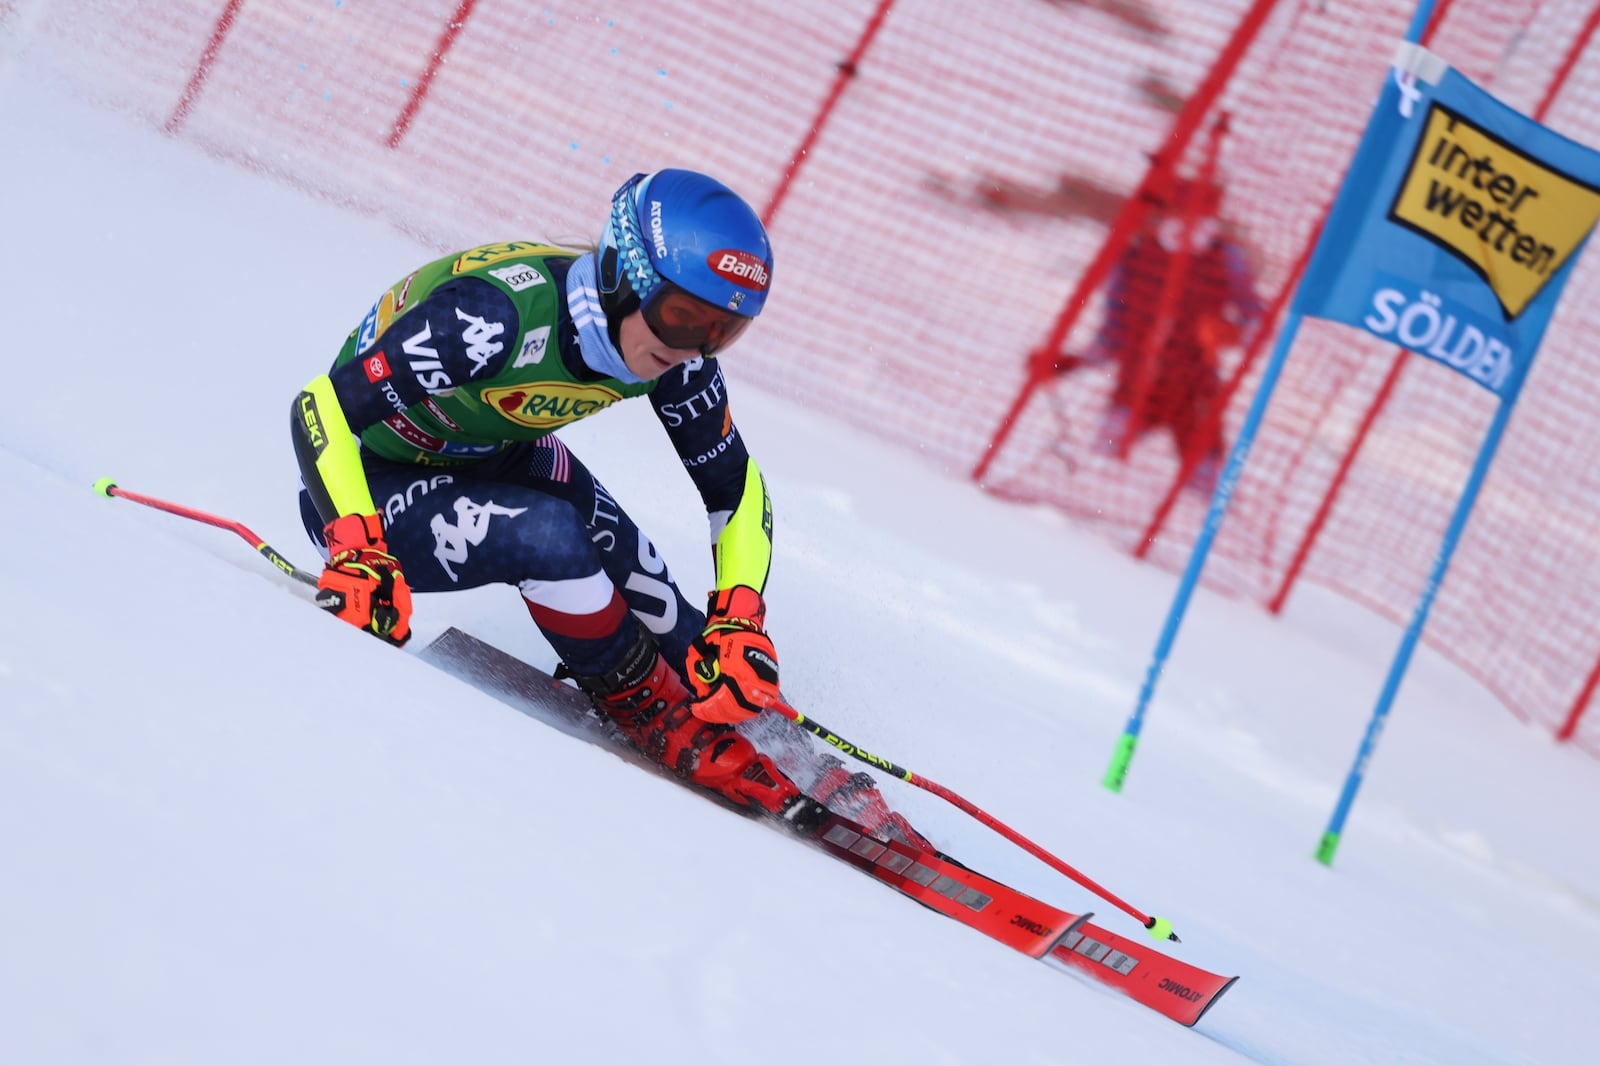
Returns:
point(234, 830)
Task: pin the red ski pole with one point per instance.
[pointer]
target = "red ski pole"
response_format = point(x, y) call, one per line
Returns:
point(1159, 928)
point(107, 487)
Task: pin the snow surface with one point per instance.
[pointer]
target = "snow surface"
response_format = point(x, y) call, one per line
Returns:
point(236, 831)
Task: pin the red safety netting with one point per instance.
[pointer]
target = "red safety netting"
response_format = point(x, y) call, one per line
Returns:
point(958, 180)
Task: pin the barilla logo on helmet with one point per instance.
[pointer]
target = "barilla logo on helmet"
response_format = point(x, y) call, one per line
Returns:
point(741, 268)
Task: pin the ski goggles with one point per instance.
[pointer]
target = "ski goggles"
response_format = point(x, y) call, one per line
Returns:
point(682, 320)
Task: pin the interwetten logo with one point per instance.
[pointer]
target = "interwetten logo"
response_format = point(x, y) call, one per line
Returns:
point(550, 403)
point(1508, 216)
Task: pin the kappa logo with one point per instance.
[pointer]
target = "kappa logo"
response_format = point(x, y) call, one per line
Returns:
point(1511, 218)
point(479, 339)
point(452, 543)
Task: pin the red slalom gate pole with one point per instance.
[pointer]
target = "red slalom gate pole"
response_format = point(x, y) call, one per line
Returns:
point(1159, 928)
point(107, 487)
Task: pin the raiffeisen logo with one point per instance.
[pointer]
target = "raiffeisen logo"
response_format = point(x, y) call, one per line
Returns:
point(1508, 216)
point(741, 268)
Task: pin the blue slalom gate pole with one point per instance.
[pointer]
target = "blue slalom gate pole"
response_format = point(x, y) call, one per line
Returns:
point(1419, 20)
point(1128, 742)
point(1408, 642)
point(1123, 755)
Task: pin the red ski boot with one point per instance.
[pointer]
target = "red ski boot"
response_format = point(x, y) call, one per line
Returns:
point(856, 796)
point(649, 702)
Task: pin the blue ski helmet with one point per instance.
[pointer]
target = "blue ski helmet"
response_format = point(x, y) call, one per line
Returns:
point(685, 249)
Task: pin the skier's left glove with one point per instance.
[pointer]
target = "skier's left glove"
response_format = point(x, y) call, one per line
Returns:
point(732, 664)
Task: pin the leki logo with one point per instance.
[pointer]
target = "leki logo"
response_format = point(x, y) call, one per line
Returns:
point(1507, 215)
point(313, 422)
point(549, 404)
point(741, 268)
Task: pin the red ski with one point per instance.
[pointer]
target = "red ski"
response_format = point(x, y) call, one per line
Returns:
point(1174, 988)
point(1180, 991)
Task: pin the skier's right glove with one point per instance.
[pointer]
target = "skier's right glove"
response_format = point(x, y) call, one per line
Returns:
point(362, 582)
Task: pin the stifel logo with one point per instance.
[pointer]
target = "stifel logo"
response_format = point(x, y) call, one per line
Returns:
point(1507, 215)
point(550, 403)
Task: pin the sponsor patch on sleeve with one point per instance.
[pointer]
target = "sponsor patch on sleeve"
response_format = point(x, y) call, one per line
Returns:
point(518, 276)
point(376, 366)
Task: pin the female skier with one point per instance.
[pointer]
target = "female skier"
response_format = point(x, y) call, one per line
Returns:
point(430, 463)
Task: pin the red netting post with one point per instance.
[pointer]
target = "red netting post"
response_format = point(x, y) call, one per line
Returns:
point(1041, 361)
point(1579, 705)
point(452, 28)
point(1579, 43)
point(202, 68)
point(847, 70)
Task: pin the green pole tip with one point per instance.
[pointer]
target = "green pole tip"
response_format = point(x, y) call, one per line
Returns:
point(1160, 929)
point(105, 485)
point(1117, 772)
point(1325, 850)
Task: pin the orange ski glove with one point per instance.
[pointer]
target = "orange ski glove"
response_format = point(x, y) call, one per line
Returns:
point(732, 664)
point(362, 582)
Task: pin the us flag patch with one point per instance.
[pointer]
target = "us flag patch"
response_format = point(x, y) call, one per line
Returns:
point(552, 462)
